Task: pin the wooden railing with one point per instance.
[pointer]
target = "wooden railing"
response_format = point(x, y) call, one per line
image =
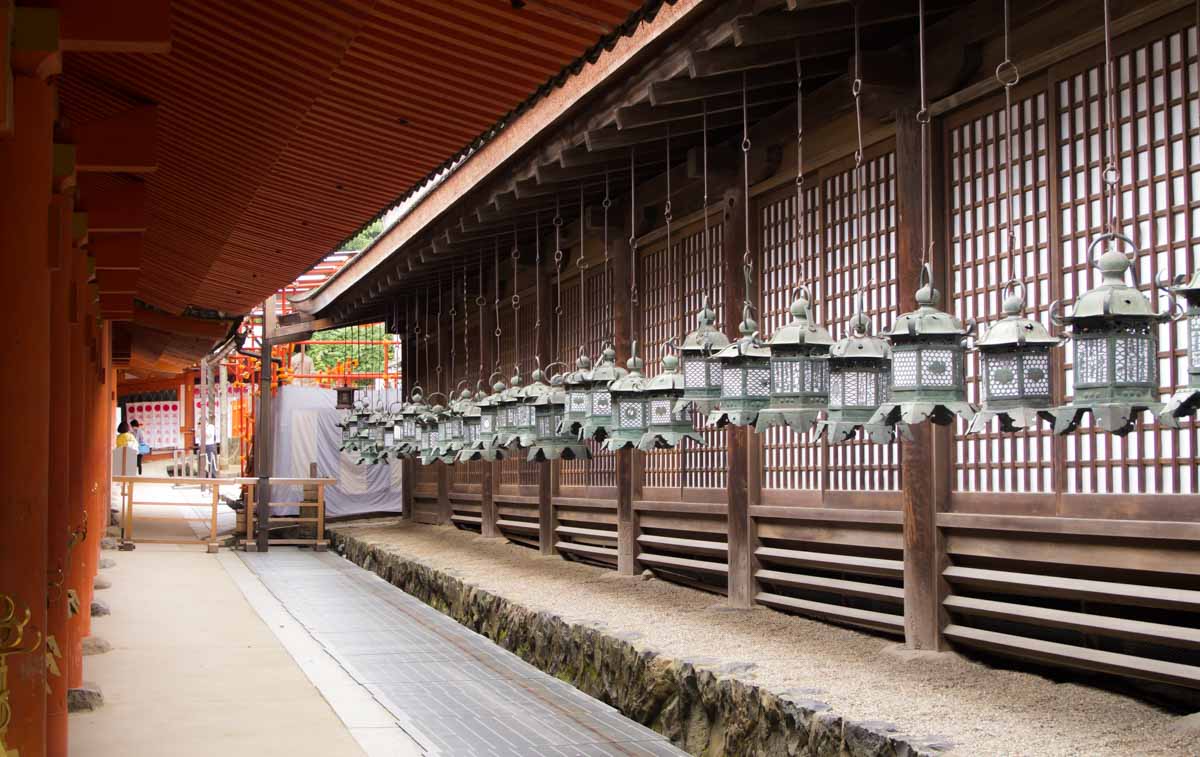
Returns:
point(316, 507)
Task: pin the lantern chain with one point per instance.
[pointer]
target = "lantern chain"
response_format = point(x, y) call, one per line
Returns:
point(438, 320)
point(604, 283)
point(856, 93)
point(516, 304)
point(1008, 75)
point(582, 264)
point(704, 171)
point(799, 163)
point(496, 301)
point(481, 302)
point(453, 329)
point(1112, 172)
point(747, 258)
point(924, 120)
point(633, 292)
point(667, 216)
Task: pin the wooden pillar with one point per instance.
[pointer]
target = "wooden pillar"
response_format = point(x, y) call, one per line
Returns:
point(737, 439)
point(263, 434)
point(488, 471)
point(64, 360)
point(924, 459)
point(627, 460)
point(443, 494)
point(25, 185)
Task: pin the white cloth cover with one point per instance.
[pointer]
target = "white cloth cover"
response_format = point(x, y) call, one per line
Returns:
point(306, 432)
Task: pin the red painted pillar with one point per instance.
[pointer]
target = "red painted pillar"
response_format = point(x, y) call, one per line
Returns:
point(61, 409)
point(83, 557)
point(25, 182)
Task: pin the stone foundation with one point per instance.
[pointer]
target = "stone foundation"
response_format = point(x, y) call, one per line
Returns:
point(698, 709)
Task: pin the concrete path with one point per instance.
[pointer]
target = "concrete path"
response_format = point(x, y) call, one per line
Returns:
point(449, 689)
point(194, 670)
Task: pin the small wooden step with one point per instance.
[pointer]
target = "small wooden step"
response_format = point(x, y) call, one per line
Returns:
point(833, 585)
point(694, 546)
point(518, 525)
point(587, 549)
point(593, 533)
point(475, 519)
point(1104, 625)
point(1075, 588)
point(683, 563)
point(1079, 657)
point(879, 621)
point(873, 566)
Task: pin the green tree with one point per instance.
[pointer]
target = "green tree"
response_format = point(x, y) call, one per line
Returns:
point(363, 239)
point(369, 356)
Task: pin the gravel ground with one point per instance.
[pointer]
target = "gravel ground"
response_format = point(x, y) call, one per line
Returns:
point(975, 709)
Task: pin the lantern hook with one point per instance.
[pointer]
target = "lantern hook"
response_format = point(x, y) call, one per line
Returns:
point(417, 391)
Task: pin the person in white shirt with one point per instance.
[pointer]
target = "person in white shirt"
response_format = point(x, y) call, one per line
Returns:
point(210, 447)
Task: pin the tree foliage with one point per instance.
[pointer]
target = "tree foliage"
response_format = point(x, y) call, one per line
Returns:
point(369, 357)
point(364, 238)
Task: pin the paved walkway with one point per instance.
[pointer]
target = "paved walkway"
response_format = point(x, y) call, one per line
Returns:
point(194, 670)
point(449, 689)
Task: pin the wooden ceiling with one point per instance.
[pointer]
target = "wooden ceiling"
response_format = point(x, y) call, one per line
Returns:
point(268, 132)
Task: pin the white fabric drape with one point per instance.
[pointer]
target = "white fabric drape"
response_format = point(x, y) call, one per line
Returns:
point(306, 432)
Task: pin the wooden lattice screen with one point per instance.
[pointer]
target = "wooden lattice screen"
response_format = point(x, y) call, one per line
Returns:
point(519, 349)
point(672, 287)
point(1060, 210)
point(592, 332)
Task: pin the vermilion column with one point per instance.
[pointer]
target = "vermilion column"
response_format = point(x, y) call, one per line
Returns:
point(83, 560)
point(61, 409)
point(25, 180)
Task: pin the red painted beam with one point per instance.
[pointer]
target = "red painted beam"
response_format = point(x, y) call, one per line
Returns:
point(123, 143)
point(118, 282)
point(120, 26)
point(6, 80)
point(35, 47)
point(113, 208)
point(121, 251)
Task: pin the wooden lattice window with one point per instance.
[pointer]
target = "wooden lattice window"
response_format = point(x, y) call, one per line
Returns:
point(1158, 103)
point(860, 464)
point(672, 286)
point(790, 460)
point(520, 349)
point(979, 198)
point(587, 321)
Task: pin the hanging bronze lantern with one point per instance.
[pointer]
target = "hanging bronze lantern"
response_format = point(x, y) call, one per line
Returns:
point(575, 385)
point(928, 374)
point(668, 415)
point(350, 427)
point(628, 406)
point(799, 371)
point(523, 418)
point(389, 431)
point(859, 379)
point(345, 397)
point(487, 447)
point(427, 422)
point(450, 429)
point(553, 438)
point(701, 374)
point(508, 413)
point(471, 418)
point(598, 422)
point(1014, 363)
point(371, 449)
point(1186, 401)
point(1115, 331)
point(745, 377)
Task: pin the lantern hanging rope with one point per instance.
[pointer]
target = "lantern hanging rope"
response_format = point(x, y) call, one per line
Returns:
point(1014, 354)
point(487, 447)
point(593, 382)
point(800, 349)
point(575, 382)
point(746, 363)
point(928, 371)
point(1114, 325)
point(859, 362)
point(701, 375)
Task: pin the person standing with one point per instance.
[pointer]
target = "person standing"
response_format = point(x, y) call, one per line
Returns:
point(210, 447)
point(142, 448)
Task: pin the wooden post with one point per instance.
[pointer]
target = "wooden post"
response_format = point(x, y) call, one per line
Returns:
point(320, 546)
point(263, 432)
point(488, 471)
point(408, 379)
point(621, 257)
point(212, 529)
point(443, 494)
point(924, 459)
point(737, 440)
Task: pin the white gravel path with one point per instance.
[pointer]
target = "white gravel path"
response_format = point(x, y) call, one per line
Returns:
point(977, 709)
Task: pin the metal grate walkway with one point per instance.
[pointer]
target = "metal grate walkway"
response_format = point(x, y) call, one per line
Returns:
point(452, 690)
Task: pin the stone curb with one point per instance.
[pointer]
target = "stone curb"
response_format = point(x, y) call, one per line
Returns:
point(699, 710)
